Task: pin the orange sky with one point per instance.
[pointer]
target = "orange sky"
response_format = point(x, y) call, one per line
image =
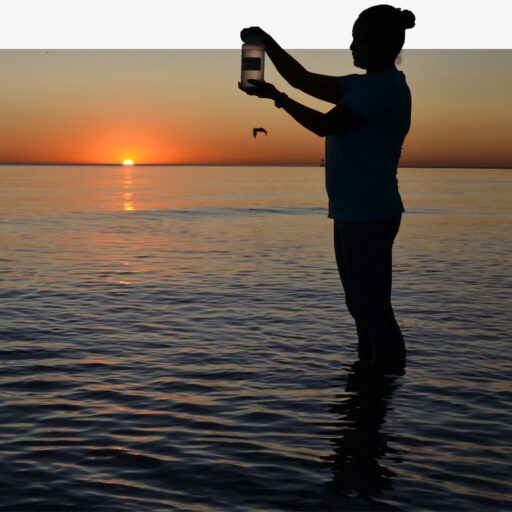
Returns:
point(183, 106)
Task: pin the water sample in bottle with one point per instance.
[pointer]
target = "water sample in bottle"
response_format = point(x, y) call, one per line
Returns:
point(253, 62)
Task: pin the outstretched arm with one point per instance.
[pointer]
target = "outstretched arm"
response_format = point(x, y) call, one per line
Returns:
point(324, 87)
point(338, 119)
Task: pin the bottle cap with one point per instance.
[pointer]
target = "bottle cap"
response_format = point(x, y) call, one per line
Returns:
point(254, 39)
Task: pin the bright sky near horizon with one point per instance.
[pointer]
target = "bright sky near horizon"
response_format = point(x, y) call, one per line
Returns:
point(183, 106)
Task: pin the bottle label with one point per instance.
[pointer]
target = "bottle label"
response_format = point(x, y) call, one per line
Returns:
point(251, 64)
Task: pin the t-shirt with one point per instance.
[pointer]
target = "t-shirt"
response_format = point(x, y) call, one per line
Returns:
point(361, 162)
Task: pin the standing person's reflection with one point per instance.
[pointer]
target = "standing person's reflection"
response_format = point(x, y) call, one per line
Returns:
point(364, 135)
point(358, 452)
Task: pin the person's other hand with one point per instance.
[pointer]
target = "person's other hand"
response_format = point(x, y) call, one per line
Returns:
point(254, 32)
point(262, 89)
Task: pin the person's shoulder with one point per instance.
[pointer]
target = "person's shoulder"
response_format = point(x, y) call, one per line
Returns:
point(348, 82)
point(350, 76)
point(398, 82)
point(391, 75)
point(398, 78)
point(349, 79)
point(391, 80)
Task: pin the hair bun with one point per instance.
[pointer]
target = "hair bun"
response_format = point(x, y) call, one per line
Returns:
point(408, 19)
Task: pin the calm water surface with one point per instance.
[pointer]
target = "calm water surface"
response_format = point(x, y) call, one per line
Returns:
point(176, 338)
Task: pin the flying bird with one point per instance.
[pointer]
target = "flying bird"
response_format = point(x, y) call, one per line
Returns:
point(256, 130)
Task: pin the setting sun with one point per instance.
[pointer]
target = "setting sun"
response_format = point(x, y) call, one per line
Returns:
point(127, 162)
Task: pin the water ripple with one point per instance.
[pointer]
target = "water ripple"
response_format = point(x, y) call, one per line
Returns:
point(195, 357)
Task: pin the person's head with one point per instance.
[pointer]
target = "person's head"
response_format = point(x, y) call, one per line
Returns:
point(378, 36)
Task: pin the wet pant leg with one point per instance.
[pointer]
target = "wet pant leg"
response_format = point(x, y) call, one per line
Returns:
point(364, 258)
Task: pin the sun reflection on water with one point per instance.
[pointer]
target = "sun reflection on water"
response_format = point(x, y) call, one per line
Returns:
point(128, 204)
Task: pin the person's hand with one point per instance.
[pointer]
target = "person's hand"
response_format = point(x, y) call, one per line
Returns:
point(248, 33)
point(262, 89)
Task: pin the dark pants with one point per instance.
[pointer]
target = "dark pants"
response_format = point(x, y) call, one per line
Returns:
point(363, 255)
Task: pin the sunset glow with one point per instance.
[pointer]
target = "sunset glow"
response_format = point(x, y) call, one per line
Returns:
point(147, 107)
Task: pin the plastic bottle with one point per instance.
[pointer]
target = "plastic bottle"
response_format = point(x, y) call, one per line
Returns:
point(253, 61)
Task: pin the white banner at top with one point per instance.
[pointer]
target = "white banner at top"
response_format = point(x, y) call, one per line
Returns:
point(216, 24)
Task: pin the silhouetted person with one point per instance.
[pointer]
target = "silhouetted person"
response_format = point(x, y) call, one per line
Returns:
point(259, 130)
point(364, 135)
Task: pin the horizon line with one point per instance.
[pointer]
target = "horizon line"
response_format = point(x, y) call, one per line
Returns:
point(291, 164)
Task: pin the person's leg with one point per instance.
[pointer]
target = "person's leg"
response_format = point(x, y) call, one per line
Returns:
point(367, 256)
point(364, 350)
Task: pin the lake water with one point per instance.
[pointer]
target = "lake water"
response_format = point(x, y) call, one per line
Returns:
point(176, 338)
